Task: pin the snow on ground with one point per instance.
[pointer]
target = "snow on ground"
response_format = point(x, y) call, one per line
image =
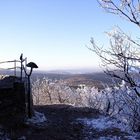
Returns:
point(37, 118)
point(103, 123)
point(117, 138)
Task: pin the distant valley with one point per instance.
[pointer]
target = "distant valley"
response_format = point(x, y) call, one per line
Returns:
point(90, 79)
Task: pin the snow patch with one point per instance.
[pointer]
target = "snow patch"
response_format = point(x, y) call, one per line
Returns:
point(102, 123)
point(37, 118)
point(110, 138)
point(105, 122)
point(117, 138)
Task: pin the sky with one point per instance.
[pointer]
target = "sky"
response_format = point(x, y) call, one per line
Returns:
point(54, 33)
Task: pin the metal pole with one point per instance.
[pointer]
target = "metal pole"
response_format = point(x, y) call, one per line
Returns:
point(29, 98)
point(15, 67)
point(21, 70)
point(25, 64)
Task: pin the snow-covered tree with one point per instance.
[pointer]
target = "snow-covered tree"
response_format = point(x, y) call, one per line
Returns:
point(52, 92)
point(121, 60)
point(118, 101)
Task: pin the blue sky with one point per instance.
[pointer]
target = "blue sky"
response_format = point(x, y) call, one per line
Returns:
point(54, 33)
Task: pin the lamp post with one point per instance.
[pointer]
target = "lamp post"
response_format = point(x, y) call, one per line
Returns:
point(31, 65)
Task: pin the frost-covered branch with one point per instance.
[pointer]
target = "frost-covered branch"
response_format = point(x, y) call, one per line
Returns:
point(122, 59)
point(128, 9)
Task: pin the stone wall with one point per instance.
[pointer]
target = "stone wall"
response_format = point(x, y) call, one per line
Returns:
point(12, 98)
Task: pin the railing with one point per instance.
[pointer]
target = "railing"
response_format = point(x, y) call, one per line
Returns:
point(18, 66)
point(27, 85)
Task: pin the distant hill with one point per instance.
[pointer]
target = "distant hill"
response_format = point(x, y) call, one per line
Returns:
point(90, 79)
point(102, 77)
